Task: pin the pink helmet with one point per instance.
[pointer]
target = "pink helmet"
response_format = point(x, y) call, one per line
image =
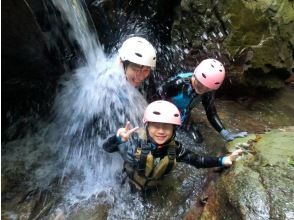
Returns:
point(163, 112)
point(210, 73)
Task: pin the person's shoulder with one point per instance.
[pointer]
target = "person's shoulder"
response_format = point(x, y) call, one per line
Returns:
point(181, 77)
point(209, 94)
point(184, 75)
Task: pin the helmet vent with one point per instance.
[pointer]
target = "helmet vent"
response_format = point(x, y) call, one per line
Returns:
point(217, 83)
point(156, 113)
point(220, 70)
point(204, 76)
point(212, 66)
point(139, 55)
point(176, 115)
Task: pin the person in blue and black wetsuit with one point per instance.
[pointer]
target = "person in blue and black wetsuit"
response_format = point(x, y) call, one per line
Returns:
point(186, 90)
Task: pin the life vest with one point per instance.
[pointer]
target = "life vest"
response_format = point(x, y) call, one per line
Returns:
point(150, 170)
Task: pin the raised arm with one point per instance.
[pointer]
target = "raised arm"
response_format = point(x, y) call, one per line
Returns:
point(122, 135)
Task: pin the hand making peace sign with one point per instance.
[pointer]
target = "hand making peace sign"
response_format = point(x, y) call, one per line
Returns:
point(124, 133)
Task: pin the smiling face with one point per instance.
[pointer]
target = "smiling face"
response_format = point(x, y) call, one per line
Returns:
point(160, 132)
point(136, 74)
point(198, 87)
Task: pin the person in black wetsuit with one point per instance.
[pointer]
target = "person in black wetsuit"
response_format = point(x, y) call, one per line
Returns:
point(149, 157)
point(186, 90)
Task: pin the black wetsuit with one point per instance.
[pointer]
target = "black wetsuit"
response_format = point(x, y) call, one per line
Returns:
point(179, 91)
point(128, 149)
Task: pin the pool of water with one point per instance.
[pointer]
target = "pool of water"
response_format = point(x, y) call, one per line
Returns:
point(52, 199)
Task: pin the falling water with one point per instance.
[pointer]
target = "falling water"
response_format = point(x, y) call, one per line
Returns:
point(93, 103)
point(73, 11)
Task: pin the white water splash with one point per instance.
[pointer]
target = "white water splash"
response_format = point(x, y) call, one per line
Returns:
point(89, 108)
point(92, 104)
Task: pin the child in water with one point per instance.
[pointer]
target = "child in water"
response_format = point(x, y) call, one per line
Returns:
point(148, 159)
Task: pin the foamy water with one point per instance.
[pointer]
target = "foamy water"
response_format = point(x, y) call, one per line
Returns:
point(92, 104)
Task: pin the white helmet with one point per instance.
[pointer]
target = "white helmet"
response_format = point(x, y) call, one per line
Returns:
point(138, 50)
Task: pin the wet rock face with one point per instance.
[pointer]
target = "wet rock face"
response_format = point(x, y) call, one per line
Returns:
point(253, 38)
point(28, 72)
point(260, 184)
point(35, 53)
point(115, 19)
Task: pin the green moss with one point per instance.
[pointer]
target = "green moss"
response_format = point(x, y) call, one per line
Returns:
point(276, 147)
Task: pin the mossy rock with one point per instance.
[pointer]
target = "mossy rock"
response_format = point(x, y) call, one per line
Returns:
point(254, 39)
point(260, 184)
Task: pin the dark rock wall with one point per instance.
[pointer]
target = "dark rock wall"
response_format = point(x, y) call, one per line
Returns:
point(28, 73)
point(36, 51)
point(254, 39)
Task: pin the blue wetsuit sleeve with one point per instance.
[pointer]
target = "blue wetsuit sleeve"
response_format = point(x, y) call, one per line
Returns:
point(211, 113)
point(186, 156)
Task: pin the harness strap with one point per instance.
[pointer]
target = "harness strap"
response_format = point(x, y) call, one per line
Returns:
point(134, 178)
point(137, 175)
point(171, 152)
point(145, 149)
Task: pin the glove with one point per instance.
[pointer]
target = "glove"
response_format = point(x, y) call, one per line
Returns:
point(229, 136)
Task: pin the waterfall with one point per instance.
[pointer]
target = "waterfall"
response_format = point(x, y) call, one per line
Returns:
point(92, 104)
